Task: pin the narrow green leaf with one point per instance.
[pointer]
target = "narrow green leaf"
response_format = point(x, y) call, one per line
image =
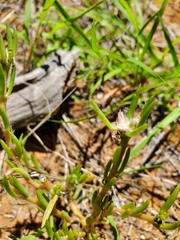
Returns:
point(166, 121)
point(34, 235)
point(12, 79)
point(8, 188)
point(126, 213)
point(149, 101)
point(65, 228)
point(35, 162)
point(153, 29)
point(137, 130)
point(49, 229)
point(74, 25)
point(41, 196)
point(105, 203)
point(9, 39)
point(57, 235)
point(26, 157)
point(72, 19)
point(65, 215)
point(137, 5)
point(127, 11)
point(94, 196)
point(146, 112)
point(171, 199)
point(128, 206)
point(107, 168)
point(27, 15)
point(6, 149)
point(21, 171)
point(2, 82)
point(10, 163)
point(133, 105)
point(71, 235)
point(110, 183)
point(4, 118)
point(124, 162)
point(49, 209)
point(114, 227)
point(145, 67)
point(113, 73)
point(83, 177)
point(17, 184)
point(116, 156)
point(101, 115)
point(17, 143)
point(97, 200)
point(94, 86)
point(47, 5)
point(76, 171)
point(141, 208)
point(23, 140)
point(3, 55)
point(174, 42)
point(149, 38)
point(61, 10)
point(110, 208)
point(163, 7)
point(169, 42)
point(94, 41)
point(170, 226)
point(15, 42)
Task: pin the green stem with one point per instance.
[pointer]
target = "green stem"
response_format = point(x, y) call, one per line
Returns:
point(114, 169)
point(112, 174)
point(143, 216)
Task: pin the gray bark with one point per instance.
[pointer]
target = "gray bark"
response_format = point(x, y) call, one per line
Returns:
point(38, 92)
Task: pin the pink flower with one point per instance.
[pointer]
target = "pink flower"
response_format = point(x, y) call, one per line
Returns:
point(124, 125)
point(121, 117)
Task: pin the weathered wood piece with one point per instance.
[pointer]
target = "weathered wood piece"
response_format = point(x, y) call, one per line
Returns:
point(40, 91)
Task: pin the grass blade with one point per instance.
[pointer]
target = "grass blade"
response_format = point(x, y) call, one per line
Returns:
point(114, 227)
point(144, 67)
point(46, 7)
point(27, 15)
point(166, 121)
point(149, 38)
point(49, 209)
point(76, 27)
point(86, 11)
point(101, 115)
point(170, 45)
point(126, 10)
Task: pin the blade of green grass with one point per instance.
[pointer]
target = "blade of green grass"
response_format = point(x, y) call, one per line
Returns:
point(141, 169)
point(114, 227)
point(46, 7)
point(166, 121)
point(27, 15)
point(170, 45)
point(101, 115)
point(145, 67)
point(76, 27)
point(86, 11)
point(154, 27)
point(133, 105)
point(126, 10)
point(163, 6)
point(112, 73)
point(149, 38)
point(94, 40)
point(176, 41)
